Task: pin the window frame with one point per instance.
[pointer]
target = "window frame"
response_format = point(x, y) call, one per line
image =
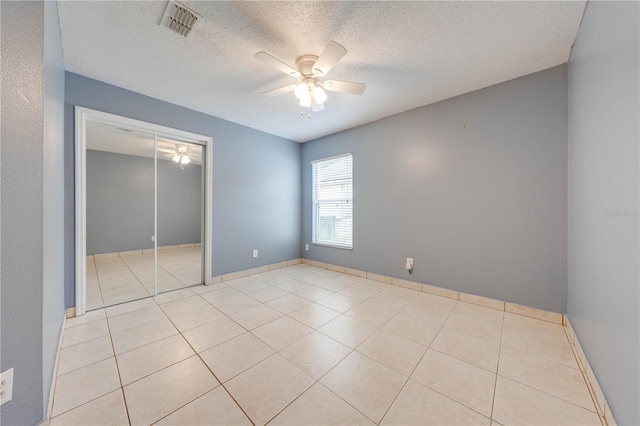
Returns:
point(314, 204)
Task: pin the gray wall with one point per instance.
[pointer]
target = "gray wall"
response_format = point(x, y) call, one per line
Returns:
point(603, 199)
point(30, 140)
point(53, 195)
point(473, 188)
point(256, 178)
point(120, 198)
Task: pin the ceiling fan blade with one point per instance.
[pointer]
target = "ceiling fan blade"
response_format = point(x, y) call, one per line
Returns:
point(277, 64)
point(317, 107)
point(345, 86)
point(329, 57)
point(280, 91)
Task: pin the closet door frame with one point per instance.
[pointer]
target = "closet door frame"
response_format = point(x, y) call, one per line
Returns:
point(82, 117)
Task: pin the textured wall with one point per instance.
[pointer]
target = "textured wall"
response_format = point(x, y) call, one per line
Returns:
point(120, 193)
point(22, 207)
point(53, 192)
point(604, 305)
point(256, 178)
point(473, 188)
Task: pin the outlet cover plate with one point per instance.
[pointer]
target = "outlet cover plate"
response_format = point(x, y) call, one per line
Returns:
point(6, 386)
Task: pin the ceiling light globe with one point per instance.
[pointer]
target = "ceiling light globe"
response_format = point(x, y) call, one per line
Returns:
point(176, 158)
point(305, 102)
point(319, 95)
point(185, 160)
point(302, 90)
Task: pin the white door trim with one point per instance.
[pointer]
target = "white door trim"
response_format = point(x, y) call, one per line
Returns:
point(84, 115)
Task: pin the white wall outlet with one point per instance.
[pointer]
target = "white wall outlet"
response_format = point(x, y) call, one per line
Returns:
point(153, 238)
point(6, 386)
point(409, 263)
point(255, 253)
point(306, 247)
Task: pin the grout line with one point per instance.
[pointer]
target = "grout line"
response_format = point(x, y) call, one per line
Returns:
point(495, 383)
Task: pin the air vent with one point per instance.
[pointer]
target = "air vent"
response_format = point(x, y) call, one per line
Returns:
point(180, 19)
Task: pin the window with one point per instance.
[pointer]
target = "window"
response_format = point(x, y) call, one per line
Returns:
point(333, 201)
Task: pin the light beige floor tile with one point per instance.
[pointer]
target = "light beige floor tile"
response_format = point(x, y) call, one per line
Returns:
point(266, 388)
point(315, 354)
point(314, 315)
point(339, 302)
point(85, 332)
point(388, 301)
point(251, 286)
point(213, 408)
point(235, 356)
point(474, 350)
point(236, 304)
point(436, 301)
point(183, 305)
point(132, 338)
point(519, 324)
point(113, 311)
point(430, 314)
point(472, 326)
point(85, 384)
point(347, 330)
point(546, 376)
point(367, 385)
point(519, 404)
point(402, 292)
point(332, 284)
point(313, 293)
point(370, 314)
point(288, 303)
point(124, 294)
point(217, 296)
point(413, 329)
point(418, 405)
point(112, 284)
point(541, 346)
point(255, 317)
point(83, 354)
point(479, 312)
point(291, 285)
point(318, 406)
point(190, 319)
point(163, 392)
point(393, 351)
point(465, 383)
point(281, 332)
point(105, 410)
point(135, 318)
point(174, 295)
point(148, 359)
point(359, 292)
point(266, 294)
point(212, 333)
point(86, 318)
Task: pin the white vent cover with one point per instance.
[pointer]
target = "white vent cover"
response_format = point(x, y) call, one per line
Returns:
point(180, 19)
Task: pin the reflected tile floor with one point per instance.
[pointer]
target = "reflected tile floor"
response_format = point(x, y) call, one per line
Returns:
point(129, 276)
point(303, 345)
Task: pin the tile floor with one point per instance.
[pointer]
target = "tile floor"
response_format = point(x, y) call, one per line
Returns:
point(126, 277)
point(302, 345)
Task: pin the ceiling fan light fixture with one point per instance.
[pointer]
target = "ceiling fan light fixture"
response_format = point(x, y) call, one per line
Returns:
point(185, 160)
point(319, 95)
point(302, 91)
point(176, 158)
point(305, 102)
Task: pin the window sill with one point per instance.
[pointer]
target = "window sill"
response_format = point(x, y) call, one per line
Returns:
point(333, 246)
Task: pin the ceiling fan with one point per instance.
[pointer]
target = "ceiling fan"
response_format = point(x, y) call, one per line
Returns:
point(180, 155)
point(310, 68)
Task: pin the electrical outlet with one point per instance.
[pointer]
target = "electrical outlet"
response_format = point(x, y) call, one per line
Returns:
point(6, 386)
point(409, 263)
point(255, 253)
point(306, 247)
point(153, 238)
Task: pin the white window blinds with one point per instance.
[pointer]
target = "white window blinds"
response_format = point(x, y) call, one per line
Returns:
point(333, 201)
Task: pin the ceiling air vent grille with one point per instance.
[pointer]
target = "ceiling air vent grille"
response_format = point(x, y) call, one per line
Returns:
point(180, 19)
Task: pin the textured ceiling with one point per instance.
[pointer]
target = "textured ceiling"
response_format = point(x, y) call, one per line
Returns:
point(409, 53)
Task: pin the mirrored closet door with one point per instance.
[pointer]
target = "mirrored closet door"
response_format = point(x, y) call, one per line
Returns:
point(144, 214)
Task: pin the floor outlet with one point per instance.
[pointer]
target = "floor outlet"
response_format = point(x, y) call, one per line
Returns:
point(6, 386)
point(255, 253)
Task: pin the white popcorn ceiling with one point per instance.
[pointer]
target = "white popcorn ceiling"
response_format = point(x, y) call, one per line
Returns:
point(409, 53)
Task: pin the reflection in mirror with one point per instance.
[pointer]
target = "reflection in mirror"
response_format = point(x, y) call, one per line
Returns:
point(179, 184)
point(120, 187)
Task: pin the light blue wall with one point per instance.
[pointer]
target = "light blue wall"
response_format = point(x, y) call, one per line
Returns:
point(603, 197)
point(473, 188)
point(53, 195)
point(120, 199)
point(256, 178)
